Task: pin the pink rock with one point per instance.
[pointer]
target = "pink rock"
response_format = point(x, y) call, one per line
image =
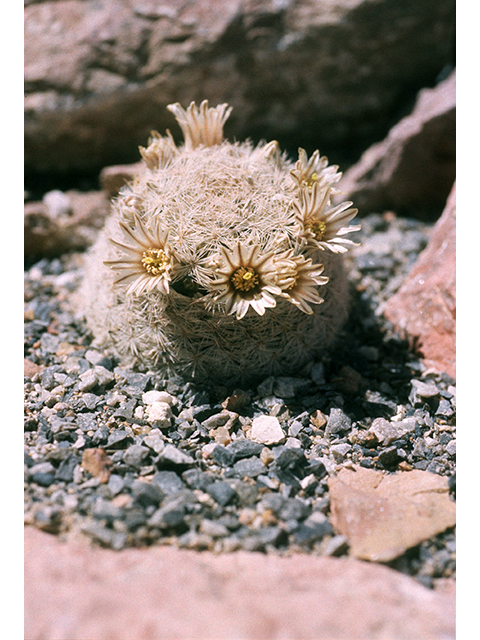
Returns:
point(424, 308)
point(75, 592)
point(30, 368)
point(384, 515)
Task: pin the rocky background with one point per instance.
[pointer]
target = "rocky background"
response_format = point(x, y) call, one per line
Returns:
point(328, 74)
point(371, 83)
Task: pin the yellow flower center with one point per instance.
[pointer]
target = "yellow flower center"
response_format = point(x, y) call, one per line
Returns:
point(309, 181)
point(244, 279)
point(318, 228)
point(291, 286)
point(155, 261)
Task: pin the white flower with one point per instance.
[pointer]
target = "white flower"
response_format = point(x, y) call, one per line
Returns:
point(146, 260)
point(159, 152)
point(300, 285)
point(201, 125)
point(307, 171)
point(321, 224)
point(128, 204)
point(247, 279)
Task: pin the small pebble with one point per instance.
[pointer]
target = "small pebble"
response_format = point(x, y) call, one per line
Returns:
point(339, 451)
point(221, 491)
point(150, 397)
point(171, 455)
point(135, 455)
point(154, 440)
point(168, 481)
point(267, 430)
point(249, 467)
point(337, 422)
point(159, 415)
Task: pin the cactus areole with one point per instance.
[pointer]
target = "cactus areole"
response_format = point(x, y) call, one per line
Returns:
point(220, 260)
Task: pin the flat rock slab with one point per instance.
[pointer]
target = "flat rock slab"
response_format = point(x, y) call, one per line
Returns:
point(75, 592)
point(384, 515)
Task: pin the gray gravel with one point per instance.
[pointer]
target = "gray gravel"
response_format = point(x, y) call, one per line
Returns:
point(185, 473)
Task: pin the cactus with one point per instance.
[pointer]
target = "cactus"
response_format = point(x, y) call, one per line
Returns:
point(220, 260)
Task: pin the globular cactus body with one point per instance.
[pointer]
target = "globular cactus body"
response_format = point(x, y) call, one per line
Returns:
point(220, 260)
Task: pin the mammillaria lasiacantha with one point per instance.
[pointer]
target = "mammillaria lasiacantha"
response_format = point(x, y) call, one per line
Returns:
point(220, 260)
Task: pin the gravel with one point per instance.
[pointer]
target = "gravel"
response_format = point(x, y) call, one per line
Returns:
point(128, 458)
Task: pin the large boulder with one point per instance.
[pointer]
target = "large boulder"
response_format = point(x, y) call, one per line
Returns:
point(331, 74)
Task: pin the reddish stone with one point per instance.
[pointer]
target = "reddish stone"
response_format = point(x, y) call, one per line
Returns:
point(74, 592)
point(384, 515)
point(30, 368)
point(424, 308)
point(98, 463)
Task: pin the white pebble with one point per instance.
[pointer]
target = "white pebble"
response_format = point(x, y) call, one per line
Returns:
point(155, 440)
point(158, 396)
point(94, 357)
point(159, 414)
point(79, 443)
point(115, 398)
point(207, 449)
point(103, 375)
point(57, 203)
point(88, 380)
point(293, 443)
point(339, 451)
point(138, 413)
point(267, 430)
point(307, 481)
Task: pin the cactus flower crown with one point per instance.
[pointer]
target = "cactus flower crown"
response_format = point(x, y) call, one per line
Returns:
point(220, 259)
